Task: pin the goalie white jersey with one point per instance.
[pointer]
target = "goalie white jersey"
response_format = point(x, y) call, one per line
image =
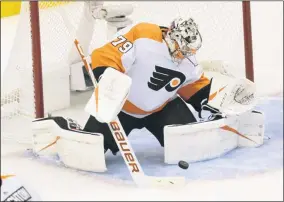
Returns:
point(143, 55)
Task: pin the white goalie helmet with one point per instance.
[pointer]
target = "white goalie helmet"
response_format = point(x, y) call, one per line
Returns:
point(183, 38)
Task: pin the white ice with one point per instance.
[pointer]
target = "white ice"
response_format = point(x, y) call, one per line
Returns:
point(243, 174)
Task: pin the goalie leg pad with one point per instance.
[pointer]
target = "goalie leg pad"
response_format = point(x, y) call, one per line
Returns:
point(206, 140)
point(44, 137)
point(76, 148)
point(251, 125)
point(199, 141)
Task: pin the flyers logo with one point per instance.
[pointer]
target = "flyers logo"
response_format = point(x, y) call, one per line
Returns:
point(167, 78)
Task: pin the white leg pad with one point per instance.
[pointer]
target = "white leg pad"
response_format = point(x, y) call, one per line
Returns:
point(82, 151)
point(76, 148)
point(251, 125)
point(206, 140)
point(44, 138)
point(198, 141)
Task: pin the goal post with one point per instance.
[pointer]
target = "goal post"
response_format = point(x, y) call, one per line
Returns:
point(36, 58)
point(248, 40)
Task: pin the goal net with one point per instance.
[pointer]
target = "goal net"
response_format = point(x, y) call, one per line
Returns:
point(220, 23)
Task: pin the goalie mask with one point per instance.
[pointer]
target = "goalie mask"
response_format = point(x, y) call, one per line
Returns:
point(183, 39)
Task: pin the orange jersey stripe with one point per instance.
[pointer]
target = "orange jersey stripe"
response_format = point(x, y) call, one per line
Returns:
point(107, 56)
point(189, 90)
point(132, 109)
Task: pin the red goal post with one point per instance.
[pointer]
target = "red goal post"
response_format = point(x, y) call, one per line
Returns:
point(248, 40)
point(36, 58)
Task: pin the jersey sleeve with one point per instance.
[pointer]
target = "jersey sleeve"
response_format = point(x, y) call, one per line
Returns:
point(108, 56)
point(120, 53)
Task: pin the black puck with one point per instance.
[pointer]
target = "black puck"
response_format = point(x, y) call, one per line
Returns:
point(183, 164)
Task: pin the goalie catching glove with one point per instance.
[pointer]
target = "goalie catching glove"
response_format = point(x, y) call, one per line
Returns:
point(234, 95)
point(235, 98)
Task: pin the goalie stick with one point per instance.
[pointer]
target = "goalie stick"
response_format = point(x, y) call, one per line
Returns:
point(125, 148)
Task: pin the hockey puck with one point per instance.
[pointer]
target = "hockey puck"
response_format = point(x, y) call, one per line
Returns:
point(183, 164)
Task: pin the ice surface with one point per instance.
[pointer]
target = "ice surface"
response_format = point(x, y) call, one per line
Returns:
point(256, 172)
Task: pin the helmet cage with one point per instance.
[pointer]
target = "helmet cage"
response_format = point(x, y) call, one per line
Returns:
point(186, 34)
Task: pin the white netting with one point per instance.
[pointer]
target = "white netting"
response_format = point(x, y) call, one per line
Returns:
point(58, 28)
point(220, 24)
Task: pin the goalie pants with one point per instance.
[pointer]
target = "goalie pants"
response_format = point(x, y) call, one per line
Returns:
point(175, 112)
